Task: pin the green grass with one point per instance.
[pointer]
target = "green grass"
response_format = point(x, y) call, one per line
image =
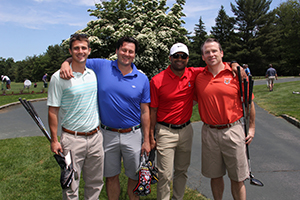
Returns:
point(28, 170)
point(281, 100)
point(17, 90)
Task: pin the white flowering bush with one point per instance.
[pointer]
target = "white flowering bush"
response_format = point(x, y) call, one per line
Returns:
point(151, 22)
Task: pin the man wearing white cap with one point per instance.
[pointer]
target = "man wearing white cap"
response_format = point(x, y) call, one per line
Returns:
point(171, 106)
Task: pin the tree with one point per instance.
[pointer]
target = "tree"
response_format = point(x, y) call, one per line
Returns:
point(251, 18)
point(288, 26)
point(146, 20)
point(195, 58)
point(54, 57)
point(224, 33)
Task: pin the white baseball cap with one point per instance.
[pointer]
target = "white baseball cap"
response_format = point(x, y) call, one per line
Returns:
point(179, 47)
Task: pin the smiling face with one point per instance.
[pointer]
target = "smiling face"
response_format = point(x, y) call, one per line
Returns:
point(80, 51)
point(178, 63)
point(212, 54)
point(126, 54)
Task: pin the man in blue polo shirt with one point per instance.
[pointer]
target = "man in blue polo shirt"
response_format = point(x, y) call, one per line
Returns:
point(124, 97)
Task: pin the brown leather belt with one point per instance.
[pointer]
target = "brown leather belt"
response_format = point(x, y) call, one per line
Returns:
point(223, 126)
point(174, 126)
point(81, 133)
point(120, 130)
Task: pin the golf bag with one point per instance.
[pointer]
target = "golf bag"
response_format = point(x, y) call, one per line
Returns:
point(147, 175)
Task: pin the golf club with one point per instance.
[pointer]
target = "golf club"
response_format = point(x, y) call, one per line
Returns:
point(246, 115)
point(64, 161)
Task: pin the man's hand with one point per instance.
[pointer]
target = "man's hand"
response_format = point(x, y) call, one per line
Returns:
point(234, 66)
point(152, 143)
point(65, 70)
point(56, 147)
point(145, 148)
point(250, 136)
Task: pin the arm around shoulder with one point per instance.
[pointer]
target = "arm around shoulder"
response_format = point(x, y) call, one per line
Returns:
point(65, 69)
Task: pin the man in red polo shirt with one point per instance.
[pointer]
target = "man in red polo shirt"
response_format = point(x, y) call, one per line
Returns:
point(223, 137)
point(171, 105)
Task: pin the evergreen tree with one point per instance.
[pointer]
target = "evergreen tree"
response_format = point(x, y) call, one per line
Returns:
point(251, 18)
point(288, 25)
point(224, 33)
point(195, 58)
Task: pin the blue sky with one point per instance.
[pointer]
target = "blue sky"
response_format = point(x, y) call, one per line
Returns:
point(28, 27)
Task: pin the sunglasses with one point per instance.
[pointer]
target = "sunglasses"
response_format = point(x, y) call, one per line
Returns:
point(183, 56)
point(79, 35)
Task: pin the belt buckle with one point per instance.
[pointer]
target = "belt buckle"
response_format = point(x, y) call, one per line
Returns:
point(119, 129)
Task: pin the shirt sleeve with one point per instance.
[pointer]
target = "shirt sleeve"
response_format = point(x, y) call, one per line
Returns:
point(54, 92)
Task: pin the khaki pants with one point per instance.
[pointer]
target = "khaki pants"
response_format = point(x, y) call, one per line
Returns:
point(88, 157)
point(174, 148)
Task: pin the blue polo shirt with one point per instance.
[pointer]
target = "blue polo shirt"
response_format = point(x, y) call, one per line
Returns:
point(119, 96)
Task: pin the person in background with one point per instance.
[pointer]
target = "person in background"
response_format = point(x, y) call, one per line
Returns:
point(76, 99)
point(124, 97)
point(223, 139)
point(44, 79)
point(247, 70)
point(6, 79)
point(271, 75)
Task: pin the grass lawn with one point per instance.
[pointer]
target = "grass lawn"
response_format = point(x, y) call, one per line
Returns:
point(28, 170)
point(17, 90)
point(281, 100)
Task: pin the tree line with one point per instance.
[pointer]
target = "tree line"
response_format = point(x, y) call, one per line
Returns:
point(255, 35)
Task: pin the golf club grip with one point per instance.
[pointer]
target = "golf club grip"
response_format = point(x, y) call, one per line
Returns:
point(246, 92)
point(35, 119)
point(240, 82)
point(31, 108)
point(34, 112)
point(251, 83)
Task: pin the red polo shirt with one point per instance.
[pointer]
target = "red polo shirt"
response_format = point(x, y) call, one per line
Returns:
point(218, 97)
point(173, 95)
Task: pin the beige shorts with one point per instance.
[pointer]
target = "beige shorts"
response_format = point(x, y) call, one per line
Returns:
point(271, 79)
point(224, 149)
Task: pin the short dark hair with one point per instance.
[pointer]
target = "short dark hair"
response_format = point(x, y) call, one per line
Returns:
point(209, 40)
point(81, 37)
point(129, 40)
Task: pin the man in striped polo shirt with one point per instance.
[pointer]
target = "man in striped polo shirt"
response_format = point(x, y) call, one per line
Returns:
point(77, 100)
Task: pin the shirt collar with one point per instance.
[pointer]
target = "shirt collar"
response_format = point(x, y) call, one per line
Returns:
point(172, 75)
point(78, 74)
point(227, 67)
point(134, 69)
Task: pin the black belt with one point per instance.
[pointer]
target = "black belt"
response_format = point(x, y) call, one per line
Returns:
point(174, 126)
point(223, 126)
point(120, 130)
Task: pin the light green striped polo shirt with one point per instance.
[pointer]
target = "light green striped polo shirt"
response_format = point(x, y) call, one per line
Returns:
point(77, 99)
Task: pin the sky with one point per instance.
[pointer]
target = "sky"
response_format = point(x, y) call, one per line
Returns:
point(29, 27)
